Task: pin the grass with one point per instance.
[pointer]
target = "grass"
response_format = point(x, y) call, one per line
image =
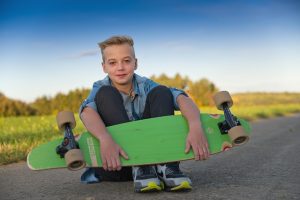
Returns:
point(18, 135)
point(252, 112)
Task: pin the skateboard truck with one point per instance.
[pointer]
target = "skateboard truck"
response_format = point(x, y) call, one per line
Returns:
point(230, 121)
point(68, 142)
point(69, 148)
point(231, 125)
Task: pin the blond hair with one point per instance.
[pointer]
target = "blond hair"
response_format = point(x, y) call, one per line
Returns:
point(115, 40)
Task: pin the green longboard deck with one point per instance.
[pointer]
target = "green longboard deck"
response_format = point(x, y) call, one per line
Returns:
point(156, 140)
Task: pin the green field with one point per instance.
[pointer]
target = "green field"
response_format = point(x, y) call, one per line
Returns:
point(254, 112)
point(18, 135)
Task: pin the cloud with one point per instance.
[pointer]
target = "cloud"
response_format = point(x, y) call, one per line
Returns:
point(179, 46)
point(83, 54)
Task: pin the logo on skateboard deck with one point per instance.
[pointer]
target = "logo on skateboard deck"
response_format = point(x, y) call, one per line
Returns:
point(92, 151)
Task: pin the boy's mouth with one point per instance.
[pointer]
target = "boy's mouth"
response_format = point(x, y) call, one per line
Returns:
point(121, 75)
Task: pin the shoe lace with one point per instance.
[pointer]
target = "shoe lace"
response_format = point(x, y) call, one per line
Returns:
point(172, 169)
point(146, 170)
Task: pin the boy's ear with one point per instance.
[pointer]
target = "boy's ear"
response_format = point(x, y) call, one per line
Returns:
point(104, 68)
point(136, 64)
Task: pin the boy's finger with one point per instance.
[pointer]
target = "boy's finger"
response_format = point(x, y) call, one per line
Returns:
point(114, 164)
point(123, 154)
point(207, 154)
point(187, 147)
point(201, 153)
point(118, 164)
point(109, 165)
point(104, 163)
point(196, 153)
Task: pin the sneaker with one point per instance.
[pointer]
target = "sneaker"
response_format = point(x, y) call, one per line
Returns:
point(173, 178)
point(145, 179)
point(90, 176)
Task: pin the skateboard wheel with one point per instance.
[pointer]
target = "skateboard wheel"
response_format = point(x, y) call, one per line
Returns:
point(221, 98)
point(238, 135)
point(74, 159)
point(65, 117)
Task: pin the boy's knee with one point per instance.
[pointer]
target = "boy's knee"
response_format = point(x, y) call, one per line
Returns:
point(161, 91)
point(106, 92)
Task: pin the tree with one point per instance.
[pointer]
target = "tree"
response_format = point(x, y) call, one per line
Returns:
point(202, 92)
point(177, 81)
point(10, 107)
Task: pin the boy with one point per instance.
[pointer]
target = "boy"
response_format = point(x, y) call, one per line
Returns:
point(125, 96)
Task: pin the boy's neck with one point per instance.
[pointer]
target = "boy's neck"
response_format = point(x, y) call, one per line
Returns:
point(126, 89)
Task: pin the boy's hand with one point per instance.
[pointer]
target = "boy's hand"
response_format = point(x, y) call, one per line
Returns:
point(198, 142)
point(196, 138)
point(110, 152)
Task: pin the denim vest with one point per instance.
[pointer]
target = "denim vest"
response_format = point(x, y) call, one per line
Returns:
point(134, 106)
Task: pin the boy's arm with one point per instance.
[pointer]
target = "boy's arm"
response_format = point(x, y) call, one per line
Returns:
point(196, 138)
point(110, 151)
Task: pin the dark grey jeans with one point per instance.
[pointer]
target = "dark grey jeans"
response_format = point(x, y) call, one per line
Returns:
point(109, 102)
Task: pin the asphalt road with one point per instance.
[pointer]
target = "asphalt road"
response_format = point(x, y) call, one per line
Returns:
point(267, 167)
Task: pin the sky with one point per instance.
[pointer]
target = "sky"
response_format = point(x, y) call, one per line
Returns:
point(51, 46)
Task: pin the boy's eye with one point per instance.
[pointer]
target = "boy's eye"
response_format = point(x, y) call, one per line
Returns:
point(112, 63)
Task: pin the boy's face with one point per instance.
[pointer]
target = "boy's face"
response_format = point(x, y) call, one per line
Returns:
point(119, 63)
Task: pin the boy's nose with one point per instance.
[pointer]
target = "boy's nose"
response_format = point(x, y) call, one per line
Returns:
point(120, 66)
